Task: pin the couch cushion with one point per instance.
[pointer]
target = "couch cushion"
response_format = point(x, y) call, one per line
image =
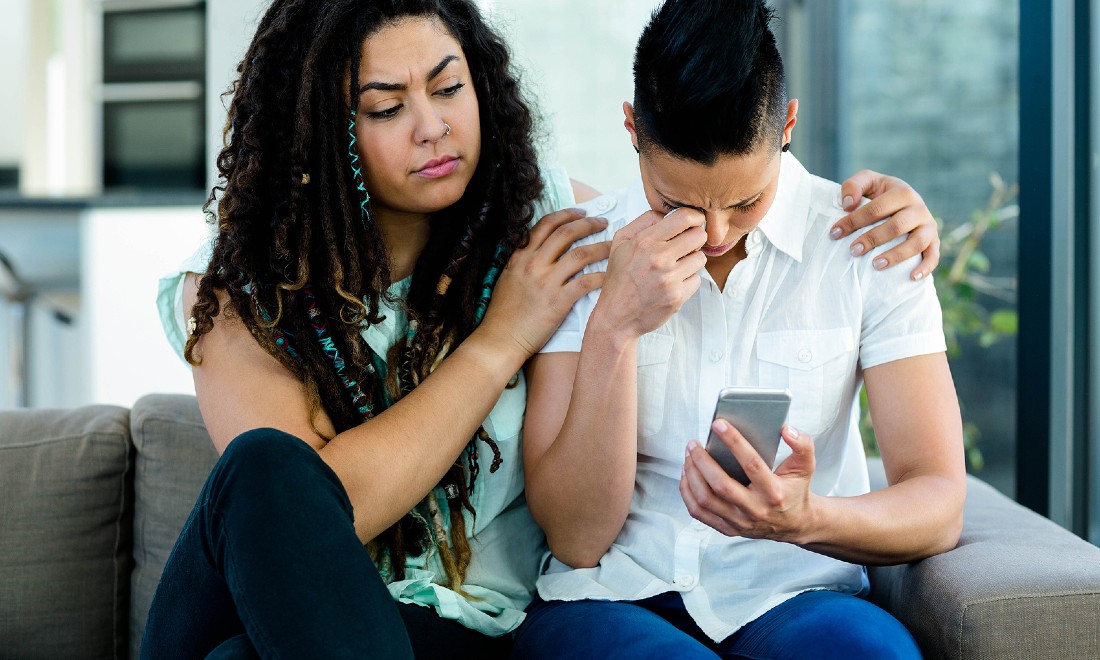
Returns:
point(174, 457)
point(65, 505)
point(1017, 585)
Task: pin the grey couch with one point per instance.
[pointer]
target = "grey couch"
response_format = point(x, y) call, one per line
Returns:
point(91, 501)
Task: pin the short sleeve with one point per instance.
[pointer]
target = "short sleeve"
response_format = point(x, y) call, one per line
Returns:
point(557, 192)
point(170, 298)
point(901, 318)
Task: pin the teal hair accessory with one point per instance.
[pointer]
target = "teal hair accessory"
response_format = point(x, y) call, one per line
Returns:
point(357, 172)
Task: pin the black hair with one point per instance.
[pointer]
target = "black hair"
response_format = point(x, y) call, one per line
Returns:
point(708, 80)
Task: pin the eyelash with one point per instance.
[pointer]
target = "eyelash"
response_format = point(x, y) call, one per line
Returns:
point(744, 208)
point(390, 113)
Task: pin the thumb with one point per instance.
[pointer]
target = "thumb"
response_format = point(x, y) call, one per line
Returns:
point(801, 462)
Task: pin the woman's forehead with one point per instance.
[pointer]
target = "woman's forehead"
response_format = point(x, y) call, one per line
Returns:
point(407, 50)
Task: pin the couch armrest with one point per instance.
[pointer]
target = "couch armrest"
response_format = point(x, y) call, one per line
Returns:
point(1016, 586)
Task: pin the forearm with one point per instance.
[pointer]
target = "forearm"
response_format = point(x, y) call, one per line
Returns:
point(913, 519)
point(580, 490)
point(389, 464)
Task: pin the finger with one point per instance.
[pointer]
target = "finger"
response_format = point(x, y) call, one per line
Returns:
point(565, 235)
point(637, 225)
point(582, 285)
point(551, 221)
point(916, 243)
point(701, 514)
point(865, 183)
point(688, 269)
point(727, 489)
point(756, 469)
point(675, 223)
point(901, 223)
point(686, 242)
point(577, 258)
point(929, 263)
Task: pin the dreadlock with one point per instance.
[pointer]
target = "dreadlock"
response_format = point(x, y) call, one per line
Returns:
point(304, 267)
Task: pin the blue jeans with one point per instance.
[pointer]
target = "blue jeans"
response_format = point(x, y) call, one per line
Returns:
point(815, 624)
point(269, 565)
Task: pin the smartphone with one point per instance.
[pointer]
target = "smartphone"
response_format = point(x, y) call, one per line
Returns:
point(759, 414)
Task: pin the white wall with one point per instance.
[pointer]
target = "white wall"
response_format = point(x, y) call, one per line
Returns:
point(577, 57)
point(123, 254)
point(230, 25)
point(13, 49)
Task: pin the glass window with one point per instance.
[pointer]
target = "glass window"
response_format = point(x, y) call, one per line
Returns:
point(165, 44)
point(154, 145)
point(928, 91)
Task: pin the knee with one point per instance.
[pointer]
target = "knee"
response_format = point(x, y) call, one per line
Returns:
point(269, 463)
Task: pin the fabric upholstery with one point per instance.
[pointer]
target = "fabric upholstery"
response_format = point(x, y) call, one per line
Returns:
point(65, 533)
point(174, 457)
point(1016, 586)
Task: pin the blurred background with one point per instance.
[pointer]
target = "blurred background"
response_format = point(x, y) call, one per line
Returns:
point(114, 113)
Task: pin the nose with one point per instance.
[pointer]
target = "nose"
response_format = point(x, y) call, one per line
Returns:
point(430, 127)
point(716, 228)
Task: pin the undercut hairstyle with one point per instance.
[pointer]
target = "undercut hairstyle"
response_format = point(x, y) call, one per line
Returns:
point(298, 261)
point(708, 80)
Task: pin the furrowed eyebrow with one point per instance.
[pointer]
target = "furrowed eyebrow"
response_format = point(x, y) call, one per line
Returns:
point(744, 202)
point(396, 87)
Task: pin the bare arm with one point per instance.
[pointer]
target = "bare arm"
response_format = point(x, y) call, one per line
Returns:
point(917, 424)
point(389, 463)
point(580, 437)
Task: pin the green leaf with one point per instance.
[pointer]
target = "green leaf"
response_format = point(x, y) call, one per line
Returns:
point(1005, 322)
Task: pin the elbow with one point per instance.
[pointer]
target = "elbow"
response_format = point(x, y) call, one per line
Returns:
point(576, 553)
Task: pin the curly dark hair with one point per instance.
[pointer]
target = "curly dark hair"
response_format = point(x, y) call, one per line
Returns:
point(304, 269)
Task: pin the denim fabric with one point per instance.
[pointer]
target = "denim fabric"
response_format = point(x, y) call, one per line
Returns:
point(269, 565)
point(815, 624)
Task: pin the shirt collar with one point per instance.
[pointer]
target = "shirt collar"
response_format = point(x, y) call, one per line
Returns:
point(784, 225)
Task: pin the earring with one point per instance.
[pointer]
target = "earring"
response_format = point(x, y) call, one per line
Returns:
point(448, 127)
point(786, 147)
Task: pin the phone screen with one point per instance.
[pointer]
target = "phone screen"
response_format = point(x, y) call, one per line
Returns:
point(759, 414)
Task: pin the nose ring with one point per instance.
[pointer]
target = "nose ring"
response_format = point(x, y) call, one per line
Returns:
point(448, 127)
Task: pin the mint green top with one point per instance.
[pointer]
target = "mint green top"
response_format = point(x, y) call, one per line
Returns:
point(505, 541)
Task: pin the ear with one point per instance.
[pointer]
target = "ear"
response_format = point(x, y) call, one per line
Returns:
point(792, 119)
point(628, 110)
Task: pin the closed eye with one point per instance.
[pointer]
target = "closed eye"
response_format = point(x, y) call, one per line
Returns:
point(447, 92)
point(387, 113)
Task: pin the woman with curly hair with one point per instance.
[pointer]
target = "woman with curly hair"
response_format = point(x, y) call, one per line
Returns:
point(379, 185)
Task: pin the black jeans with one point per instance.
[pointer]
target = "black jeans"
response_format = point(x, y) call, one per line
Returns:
point(269, 565)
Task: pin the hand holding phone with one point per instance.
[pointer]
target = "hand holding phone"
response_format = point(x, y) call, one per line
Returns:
point(759, 415)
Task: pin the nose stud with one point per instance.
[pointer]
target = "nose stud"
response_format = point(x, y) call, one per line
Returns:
point(448, 127)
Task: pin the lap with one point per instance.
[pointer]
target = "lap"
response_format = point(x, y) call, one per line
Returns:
point(818, 624)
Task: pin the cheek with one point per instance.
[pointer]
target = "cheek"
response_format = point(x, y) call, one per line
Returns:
point(379, 156)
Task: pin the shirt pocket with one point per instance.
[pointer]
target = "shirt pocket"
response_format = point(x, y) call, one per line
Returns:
point(654, 353)
point(814, 365)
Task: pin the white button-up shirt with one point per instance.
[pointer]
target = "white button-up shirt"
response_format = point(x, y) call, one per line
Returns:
point(799, 312)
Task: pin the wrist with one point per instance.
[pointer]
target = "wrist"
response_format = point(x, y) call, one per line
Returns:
point(608, 330)
point(497, 350)
point(812, 524)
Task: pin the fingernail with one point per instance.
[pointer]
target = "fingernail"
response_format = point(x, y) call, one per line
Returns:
point(857, 249)
point(880, 263)
point(577, 209)
point(835, 232)
point(918, 277)
point(692, 446)
point(791, 432)
point(720, 425)
point(848, 201)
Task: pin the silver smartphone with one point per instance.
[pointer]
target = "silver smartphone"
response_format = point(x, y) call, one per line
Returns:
point(759, 414)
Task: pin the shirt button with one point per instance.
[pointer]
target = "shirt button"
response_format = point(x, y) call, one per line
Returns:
point(603, 205)
point(805, 355)
point(686, 581)
point(698, 526)
point(754, 236)
point(716, 356)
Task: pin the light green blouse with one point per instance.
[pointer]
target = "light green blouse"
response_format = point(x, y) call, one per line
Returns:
point(505, 541)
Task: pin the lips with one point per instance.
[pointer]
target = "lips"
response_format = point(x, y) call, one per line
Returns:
point(717, 250)
point(439, 167)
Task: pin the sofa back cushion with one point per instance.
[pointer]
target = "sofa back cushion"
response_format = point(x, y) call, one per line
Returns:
point(64, 532)
point(174, 457)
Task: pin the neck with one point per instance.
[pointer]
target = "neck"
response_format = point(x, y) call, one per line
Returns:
point(720, 267)
point(405, 236)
